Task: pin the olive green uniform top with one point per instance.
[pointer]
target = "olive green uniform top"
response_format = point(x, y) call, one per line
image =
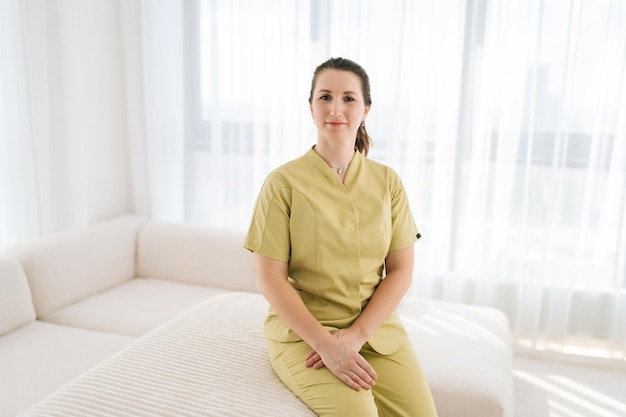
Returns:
point(335, 238)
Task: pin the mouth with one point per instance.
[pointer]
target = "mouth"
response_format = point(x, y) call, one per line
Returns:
point(336, 123)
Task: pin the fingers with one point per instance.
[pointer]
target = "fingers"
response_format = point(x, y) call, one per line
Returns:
point(358, 380)
point(313, 360)
point(350, 382)
point(358, 374)
point(355, 372)
point(366, 373)
point(368, 369)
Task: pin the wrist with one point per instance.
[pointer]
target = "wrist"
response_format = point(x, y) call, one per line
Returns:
point(323, 341)
point(360, 333)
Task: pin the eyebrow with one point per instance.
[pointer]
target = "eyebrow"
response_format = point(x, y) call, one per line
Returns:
point(328, 91)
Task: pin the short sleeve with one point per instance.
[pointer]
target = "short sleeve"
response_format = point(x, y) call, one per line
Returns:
point(268, 234)
point(404, 232)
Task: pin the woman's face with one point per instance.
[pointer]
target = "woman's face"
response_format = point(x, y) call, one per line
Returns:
point(337, 105)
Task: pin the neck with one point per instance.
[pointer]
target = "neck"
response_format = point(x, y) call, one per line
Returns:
point(337, 157)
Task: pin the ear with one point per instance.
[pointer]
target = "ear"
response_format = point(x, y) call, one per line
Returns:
point(366, 112)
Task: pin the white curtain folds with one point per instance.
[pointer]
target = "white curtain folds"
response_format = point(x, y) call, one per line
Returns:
point(63, 146)
point(24, 195)
point(153, 38)
point(505, 119)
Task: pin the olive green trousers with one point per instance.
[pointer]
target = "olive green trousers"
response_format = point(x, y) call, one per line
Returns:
point(401, 389)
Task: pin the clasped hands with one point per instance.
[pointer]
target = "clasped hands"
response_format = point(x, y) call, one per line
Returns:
point(340, 354)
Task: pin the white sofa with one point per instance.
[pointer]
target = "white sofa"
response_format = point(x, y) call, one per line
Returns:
point(68, 302)
point(37, 357)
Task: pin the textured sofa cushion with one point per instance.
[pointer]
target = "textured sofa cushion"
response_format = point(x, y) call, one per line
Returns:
point(196, 255)
point(66, 267)
point(38, 358)
point(212, 361)
point(16, 306)
point(134, 307)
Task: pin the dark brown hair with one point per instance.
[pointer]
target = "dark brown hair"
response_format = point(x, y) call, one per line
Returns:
point(363, 142)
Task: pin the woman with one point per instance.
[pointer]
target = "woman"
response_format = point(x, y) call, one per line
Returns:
point(332, 236)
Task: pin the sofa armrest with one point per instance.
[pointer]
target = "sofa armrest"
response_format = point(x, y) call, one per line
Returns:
point(16, 306)
point(196, 255)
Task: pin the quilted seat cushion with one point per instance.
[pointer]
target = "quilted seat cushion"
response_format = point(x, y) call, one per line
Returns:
point(212, 361)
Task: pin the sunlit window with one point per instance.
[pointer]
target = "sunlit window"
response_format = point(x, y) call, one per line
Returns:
point(502, 121)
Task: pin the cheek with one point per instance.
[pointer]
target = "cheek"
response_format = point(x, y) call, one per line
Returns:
point(318, 110)
point(357, 114)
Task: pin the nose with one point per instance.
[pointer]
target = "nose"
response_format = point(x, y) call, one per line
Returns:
point(335, 109)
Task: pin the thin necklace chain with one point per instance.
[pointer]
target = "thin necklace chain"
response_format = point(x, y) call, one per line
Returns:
point(339, 170)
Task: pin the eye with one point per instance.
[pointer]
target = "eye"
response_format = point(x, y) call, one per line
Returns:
point(349, 99)
point(325, 97)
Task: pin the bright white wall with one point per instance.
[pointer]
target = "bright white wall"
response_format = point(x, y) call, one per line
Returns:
point(89, 153)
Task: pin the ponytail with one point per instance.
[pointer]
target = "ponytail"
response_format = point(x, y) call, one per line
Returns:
point(363, 141)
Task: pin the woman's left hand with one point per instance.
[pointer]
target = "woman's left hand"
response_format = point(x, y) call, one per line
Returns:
point(351, 338)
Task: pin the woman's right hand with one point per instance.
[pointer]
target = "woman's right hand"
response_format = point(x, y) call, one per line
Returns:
point(345, 363)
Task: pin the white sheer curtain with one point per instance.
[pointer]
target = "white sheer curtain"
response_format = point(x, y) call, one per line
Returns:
point(24, 195)
point(506, 120)
point(63, 157)
point(538, 223)
point(153, 56)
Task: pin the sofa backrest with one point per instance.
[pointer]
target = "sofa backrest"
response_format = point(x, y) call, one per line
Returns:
point(66, 267)
point(16, 306)
point(196, 255)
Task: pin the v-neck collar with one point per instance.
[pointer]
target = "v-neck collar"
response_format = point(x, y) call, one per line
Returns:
point(328, 172)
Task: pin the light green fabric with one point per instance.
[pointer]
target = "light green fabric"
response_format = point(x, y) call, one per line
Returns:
point(335, 237)
point(401, 389)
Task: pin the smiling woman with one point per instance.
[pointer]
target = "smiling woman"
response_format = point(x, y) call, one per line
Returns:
point(333, 254)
